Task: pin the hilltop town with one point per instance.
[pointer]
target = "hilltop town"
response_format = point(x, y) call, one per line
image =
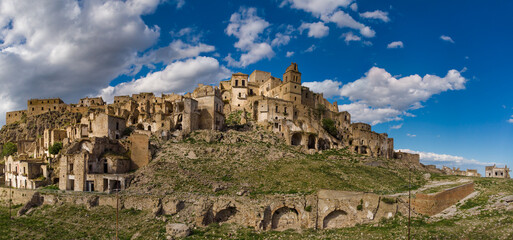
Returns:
point(123, 128)
point(234, 140)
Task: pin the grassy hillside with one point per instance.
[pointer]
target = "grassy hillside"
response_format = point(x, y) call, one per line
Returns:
point(261, 163)
point(482, 217)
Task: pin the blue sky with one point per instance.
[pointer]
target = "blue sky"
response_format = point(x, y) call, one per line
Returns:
point(435, 75)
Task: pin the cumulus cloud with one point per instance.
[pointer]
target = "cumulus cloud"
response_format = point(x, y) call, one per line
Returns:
point(398, 126)
point(342, 20)
point(280, 39)
point(447, 38)
point(311, 48)
point(354, 7)
point(174, 51)
point(349, 36)
point(318, 7)
point(68, 48)
point(380, 97)
point(246, 26)
point(378, 14)
point(315, 30)
point(378, 88)
point(361, 112)
point(396, 44)
point(328, 87)
point(447, 160)
point(178, 77)
point(510, 120)
point(290, 54)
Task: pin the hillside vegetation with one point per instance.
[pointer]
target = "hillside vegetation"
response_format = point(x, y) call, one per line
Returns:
point(257, 162)
point(487, 216)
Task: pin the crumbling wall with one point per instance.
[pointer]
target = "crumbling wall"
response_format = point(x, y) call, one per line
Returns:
point(431, 204)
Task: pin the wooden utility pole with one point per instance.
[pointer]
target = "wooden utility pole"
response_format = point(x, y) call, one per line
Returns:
point(409, 201)
point(117, 206)
point(10, 198)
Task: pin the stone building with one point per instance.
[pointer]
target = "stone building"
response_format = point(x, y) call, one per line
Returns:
point(102, 124)
point(24, 172)
point(40, 106)
point(15, 116)
point(496, 172)
point(94, 164)
point(458, 172)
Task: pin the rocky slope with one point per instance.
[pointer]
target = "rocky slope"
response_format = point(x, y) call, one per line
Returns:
point(258, 162)
point(34, 126)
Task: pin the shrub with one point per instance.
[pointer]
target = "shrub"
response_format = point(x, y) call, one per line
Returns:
point(9, 149)
point(308, 208)
point(55, 148)
point(234, 118)
point(360, 206)
point(388, 200)
point(329, 126)
point(127, 131)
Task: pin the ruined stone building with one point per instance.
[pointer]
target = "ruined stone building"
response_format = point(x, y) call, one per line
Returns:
point(94, 164)
point(112, 139)
point(24, 172)
point(458, 172)
point(298, 114)
point(496, 172)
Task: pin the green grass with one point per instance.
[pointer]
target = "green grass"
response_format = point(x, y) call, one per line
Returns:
point(264, 168)
point(74, 222)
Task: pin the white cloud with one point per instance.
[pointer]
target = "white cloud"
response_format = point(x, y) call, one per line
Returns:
point(290, 54)
point(174, 51)
point(342, 19)
point(280, 39)
point(180, 3)
point(310, 49)
point(318, 7)
point(510, 120)
point(396, 44)
point(447, 38)
point(68, 48)
point(354, 7)
point(316, 30)
point(380, 89)
point(398, 126)
point(349, 36)
point(411, 135)
point(380, 15)
point(247, 26)
point(361, 112)
point(328, 87)
point(178, 77)
point(445, 159)
point(380, 97)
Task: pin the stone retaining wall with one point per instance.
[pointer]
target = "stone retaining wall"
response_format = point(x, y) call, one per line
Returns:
point(431, 204)
point(326, 209)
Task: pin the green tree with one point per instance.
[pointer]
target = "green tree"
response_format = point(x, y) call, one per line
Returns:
point(329, 126)
point(9, 149)
point(55, 148)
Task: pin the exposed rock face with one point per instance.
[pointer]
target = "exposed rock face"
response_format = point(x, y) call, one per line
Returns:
point(34, 126)
point(35, 201)
point(179, 230)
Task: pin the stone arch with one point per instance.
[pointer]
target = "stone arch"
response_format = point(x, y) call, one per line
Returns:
point(225, 214)
point(311, 141)
point(285, 218)
point(323, 144)
point(335, 219)
point(295, 139)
